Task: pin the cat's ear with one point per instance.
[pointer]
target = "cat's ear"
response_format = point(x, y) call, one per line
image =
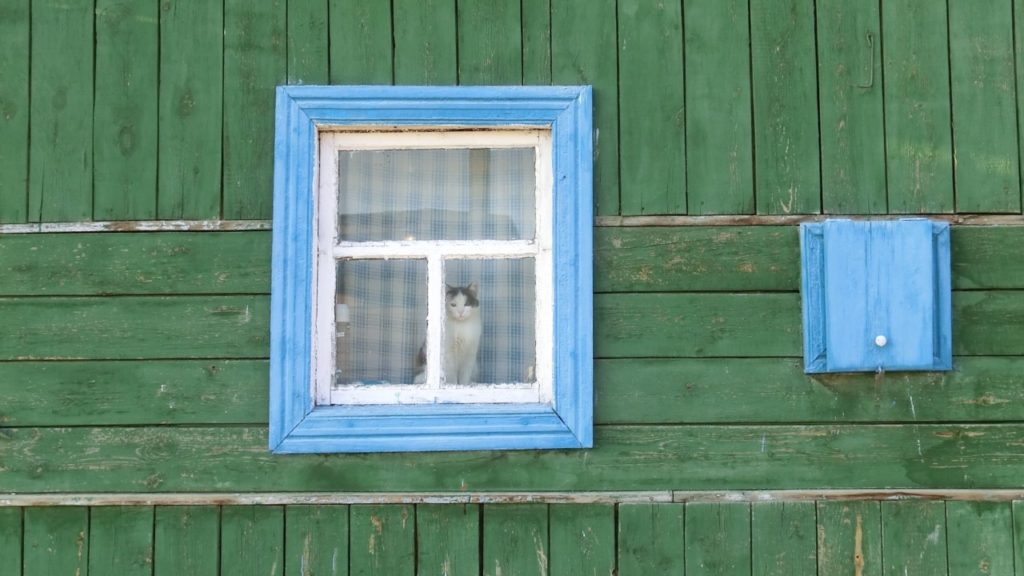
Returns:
point(448, 287)
point(473, 289)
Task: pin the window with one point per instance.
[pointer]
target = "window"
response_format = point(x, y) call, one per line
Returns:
point(432, 285)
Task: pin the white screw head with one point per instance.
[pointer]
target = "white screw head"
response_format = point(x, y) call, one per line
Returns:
point(881, 340)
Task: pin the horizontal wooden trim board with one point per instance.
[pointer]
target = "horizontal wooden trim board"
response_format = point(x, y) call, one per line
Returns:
point(136, 226)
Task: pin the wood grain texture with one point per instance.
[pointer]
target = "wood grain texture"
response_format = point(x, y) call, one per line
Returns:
point(252, 541)
point(784, 86)
point(361, 42)
point(515, 540)
point(536, 42)
point(426, 50)
point(1017, 513)
point(448, 539)
point(10, 540)
point(490, 42)
point(849, 539)
point(783, 538)
point(382, 540)
point(308, 50)
point(186, 541)
point(14, 108)
point(125, 114)
point(914, 538)
point(61, 130)
point(980, 538)
point(718, 539)
point(582, 539)
point(850, 99)
point(121, 540)
point(316, 540)
point(651, 539)
point(56, 541)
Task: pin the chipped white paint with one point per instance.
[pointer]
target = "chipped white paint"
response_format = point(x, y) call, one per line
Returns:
point(136, 226)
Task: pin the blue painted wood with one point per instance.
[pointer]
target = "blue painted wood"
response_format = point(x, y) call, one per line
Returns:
point(876, 296)
point(296, 425)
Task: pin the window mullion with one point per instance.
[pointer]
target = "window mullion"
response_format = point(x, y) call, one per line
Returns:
point(435, 319)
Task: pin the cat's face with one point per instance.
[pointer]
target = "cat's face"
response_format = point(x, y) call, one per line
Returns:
point(460, 302)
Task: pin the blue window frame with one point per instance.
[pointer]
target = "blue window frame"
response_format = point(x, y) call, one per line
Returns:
point(300, 419)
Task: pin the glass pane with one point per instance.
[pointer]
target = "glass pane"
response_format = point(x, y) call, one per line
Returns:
point(385, 305)
point(455, 194)
point(490, 309)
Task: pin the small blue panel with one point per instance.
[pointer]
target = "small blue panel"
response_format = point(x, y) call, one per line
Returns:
point(876, 296)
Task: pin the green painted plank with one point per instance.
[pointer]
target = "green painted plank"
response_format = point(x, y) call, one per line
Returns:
point(719, 134)
point(425, 42)
point(783, 538)
point(191, 109)
point(849, 538)
point(143, 263)
point(61, 154)
point(981, 55)
point(490, 42)
point(252, 541)
point(536, 42)
point(650, 539)
point(121, 540)
point(914, 538)
point(718, 540)
point(980, 538)
point(702, 390)
point(850, 100)
point(186, 541)
point(515, 540)
point(361, 42)
point(383, 540)
point(1017, 512)
point(1018, 47)
point(135, 327)
point(784, 81)
point(125, 116)
point(56, 541)
point(126, 393)
point(14, 105)
point(582, 539)
point(981, 257)
point(307, 42)
point(448, 539)
point(988, 323)
point(919, 157)
point(255, 62)
point(10, 540)
point(652, 110)
point(582, 52)
point(316, 540)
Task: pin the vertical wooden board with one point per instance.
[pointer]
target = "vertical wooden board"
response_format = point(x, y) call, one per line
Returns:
point(254, 64)
point(787, 177)
point(425, 42)
point(536, 42)
point(14, 64)
point(185, 541)
point(1017, 512)
point(849, 538)
point(316, 540)
point(980, 538)
point(121, 540)
point(56, 541)
point(382, 541)
point(717, 539)
point(583, 52)
point(10, 540)
point(719, 137)
point(919, 159)
point(251, 541)
point(582, 539)
point(515, 539)
point(783, 538)
point(448, 539)
point(307, 42)
point(913, 538)
point(61, 109)
point(850, 101)
point(490, 42)
point(651, 539)
point(125, 132)
point(981, 54)
point(360, 42)
point(190, 109)
point(651, 108)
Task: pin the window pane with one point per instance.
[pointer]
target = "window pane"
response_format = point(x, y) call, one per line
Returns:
point(433, 194)
point(504, 313)
point(386, 305)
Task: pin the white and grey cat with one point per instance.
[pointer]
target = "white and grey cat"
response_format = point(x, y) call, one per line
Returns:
point(463, 326)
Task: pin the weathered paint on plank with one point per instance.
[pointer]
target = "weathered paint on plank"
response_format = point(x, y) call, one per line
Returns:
point(252, 541)
point(719, 133)
point(850, 99)
point(382, 540)
point(650, 539)
point(583, 52)
point(849, 539)
point(186, 541)
point(718, 539)
point(10, 540)
point(919, 150)
point(56, 541)
point(914, 538)
point(361, 41)
point(783, 538)
point(582, 539)
point(14, 106)
point(787, 177)
point(448, 539)
point(316, 540)
point(121, 540)
point(61, 109)
point(515, 540)
point(536, 42)
point(980, 538)
point(255, 62)
point(984, 106)
point(1017, 513)
point(490, 42)
point(425, 42)
point(308, 61)
point(125, 114)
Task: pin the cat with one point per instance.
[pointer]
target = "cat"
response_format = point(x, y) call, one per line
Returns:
point(463, 327)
